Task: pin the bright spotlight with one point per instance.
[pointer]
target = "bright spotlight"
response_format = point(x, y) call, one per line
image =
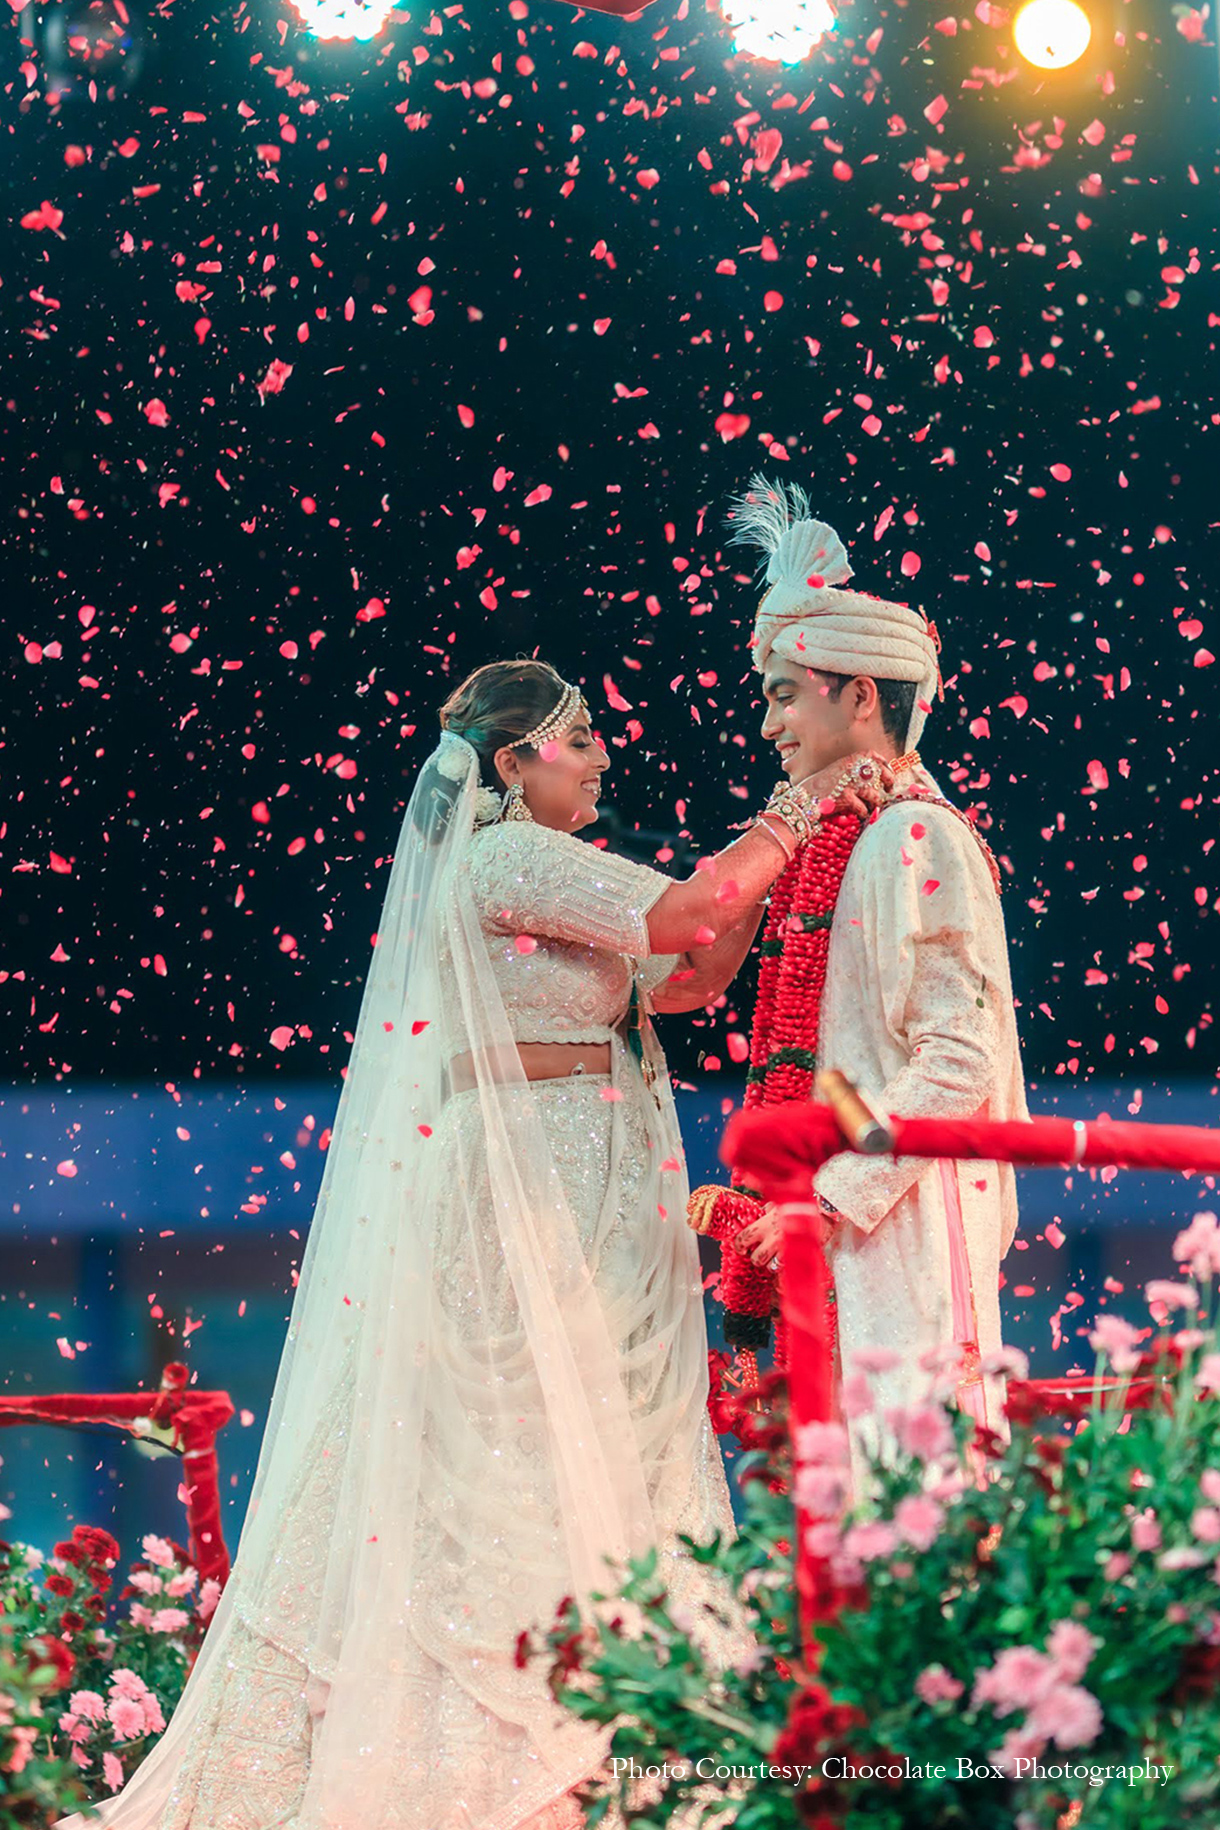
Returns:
point(1052, 33)
point(343, 18)
point(780, 31)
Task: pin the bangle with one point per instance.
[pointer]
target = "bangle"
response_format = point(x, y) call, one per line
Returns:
point(764, 825)
point(797, 809)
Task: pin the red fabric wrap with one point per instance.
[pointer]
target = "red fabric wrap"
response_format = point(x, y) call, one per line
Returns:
point(196, 1418)
point(778, 1150)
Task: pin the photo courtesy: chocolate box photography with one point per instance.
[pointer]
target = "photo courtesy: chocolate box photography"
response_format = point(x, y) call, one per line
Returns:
point(608, 1177)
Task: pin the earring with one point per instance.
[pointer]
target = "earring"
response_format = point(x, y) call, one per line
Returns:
point(514, 806)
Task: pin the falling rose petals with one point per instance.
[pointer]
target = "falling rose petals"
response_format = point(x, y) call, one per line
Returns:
point(704, 936)
point(1061, 472)
point(282, 1036)
point(1098, 778)
point(525, 943)
point(929, 886)
point(911, 563)
point(647, 178)
point(420, 1025)
point(601, 326)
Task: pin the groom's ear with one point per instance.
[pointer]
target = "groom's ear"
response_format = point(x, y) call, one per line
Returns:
point(864, 696)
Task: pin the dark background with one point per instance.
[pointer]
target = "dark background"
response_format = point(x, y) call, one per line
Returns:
point(231, 612)
point(207, 767)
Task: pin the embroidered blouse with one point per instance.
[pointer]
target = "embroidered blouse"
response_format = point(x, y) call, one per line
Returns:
point(585, 909)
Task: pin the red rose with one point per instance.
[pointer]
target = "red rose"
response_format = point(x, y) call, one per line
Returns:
point(48, 1650)
point(72, 1622)
point(521, 1651)
point(98, 1545)
point(1200, 1671)
point(59, 1585)
point(175, 1376)
point(96, 1606)
point(68, 1552)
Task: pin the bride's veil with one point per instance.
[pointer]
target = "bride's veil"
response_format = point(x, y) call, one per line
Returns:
point(425, 1363)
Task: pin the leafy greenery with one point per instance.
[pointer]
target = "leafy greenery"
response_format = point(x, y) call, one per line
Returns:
point(1023, 1614)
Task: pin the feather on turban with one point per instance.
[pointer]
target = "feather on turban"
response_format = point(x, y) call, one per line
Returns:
point(807, 617)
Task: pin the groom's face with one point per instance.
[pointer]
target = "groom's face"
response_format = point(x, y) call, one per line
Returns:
point(809, 718)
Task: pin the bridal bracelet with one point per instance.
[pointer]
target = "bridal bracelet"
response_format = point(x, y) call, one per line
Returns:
point(793, 808)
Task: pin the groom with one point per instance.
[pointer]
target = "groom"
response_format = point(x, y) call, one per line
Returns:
point(885, 956)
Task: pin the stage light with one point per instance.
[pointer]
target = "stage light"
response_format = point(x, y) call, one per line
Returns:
point(343, 18)
point(779, 31)
point(1052, 33)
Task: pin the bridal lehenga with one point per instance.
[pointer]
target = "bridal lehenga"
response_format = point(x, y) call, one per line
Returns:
point(495, 1374)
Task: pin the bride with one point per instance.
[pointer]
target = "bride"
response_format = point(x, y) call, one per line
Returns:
point(495, 1374)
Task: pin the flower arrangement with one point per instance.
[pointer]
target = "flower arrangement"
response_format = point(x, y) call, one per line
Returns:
point(1013, 1633)
point(81, 1705)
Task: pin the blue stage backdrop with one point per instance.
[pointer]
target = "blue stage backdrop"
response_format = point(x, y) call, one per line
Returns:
point(178, 1233)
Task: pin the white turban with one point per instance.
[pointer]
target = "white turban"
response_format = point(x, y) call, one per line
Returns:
point(806, 617)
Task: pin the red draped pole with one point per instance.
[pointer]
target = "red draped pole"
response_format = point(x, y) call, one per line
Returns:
point(778, 1149)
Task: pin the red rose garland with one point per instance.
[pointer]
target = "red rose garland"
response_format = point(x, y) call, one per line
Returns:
point(783, 1057)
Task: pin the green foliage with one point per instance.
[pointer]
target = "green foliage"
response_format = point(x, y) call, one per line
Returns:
point(81, 1705)
point(1054, 1614)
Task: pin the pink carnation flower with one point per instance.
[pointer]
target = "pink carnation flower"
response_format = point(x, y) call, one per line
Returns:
point(183, 1583)
point(822, 1538)
point(934, 1685)
point(1209, 1485)
point(126, 1718)
point(112, 1768)
point(869, 1540)
point(140, 1615)
point(1068, 1715)
point(918, 1520)
point(209, 1595)
point(1174, 1296)
point(1019, 1679)
point(823, 1442)
point(127, 1683)
point(1009, 1362)
point(1199, 1246)
point(170, 1620)
point(1145, 1532)
point(1118, 1340)
point(158, 1551)
point(1208, 1375)
point(146, 1581)
point(88, 1705)
point(1018, 1744)
point(1205, 1523)
point(924, 1432)
point(820, 1490)
point(1071, 1646)
point(1184, 1557)
point(154, 1720)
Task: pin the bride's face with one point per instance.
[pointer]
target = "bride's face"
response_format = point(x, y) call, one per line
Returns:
point(562, 780)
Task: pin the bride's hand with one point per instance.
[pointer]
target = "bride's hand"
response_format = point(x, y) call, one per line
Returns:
point(856, 786)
